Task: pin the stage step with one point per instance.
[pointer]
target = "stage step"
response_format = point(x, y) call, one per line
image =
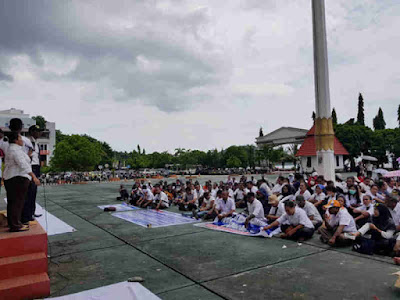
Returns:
point(28, 264)
point(25, 287)
point(20, 243)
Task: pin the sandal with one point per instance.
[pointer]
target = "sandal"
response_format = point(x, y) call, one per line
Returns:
point(23, 228)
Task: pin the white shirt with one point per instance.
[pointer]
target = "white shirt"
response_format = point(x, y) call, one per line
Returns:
point(208, 202)
point(298, 218)
point(225, 208)
point(27, 144)
point(161, 197)
point(306, 195)
point(265, 186)
point(277, 189)
point(278, 211)
point(214, 192)
point(35, 153)
point(148, 195)
point(239, 194)
point(198, 194)
point(283, 199)
point(369, 209)
point(318, 197)
point(311, 210)
point(379, 196)
point(342, 218)
point(396, 214)
point(365, 187)
point(351, 200)
point(256, 209)
point(17, 163)
point(254, 190)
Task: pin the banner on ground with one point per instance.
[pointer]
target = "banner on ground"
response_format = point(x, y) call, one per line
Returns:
point(227, 228)
point(119, 207)
point(153, 218)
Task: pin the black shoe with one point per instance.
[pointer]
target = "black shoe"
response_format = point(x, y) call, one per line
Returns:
point(37, 216)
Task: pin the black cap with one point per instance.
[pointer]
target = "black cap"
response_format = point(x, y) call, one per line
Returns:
point(34, 128)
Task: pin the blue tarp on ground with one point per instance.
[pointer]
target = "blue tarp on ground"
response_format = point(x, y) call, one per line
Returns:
point(153, 218)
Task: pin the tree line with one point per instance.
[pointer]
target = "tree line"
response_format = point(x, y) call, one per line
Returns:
point(85, 153)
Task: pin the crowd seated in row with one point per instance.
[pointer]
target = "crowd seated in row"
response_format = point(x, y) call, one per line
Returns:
point(353, 212)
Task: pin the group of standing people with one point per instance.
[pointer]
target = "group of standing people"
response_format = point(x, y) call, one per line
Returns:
point(21, 172)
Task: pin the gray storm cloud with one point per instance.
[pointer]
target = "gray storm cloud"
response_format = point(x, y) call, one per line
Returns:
point(146, 53)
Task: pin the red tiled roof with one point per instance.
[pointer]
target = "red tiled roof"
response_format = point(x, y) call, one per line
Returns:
point(308, 147)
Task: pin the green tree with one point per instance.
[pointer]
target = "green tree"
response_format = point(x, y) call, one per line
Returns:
point(76, 153)
point(379, 121)
point(398, 114)
point(59, 136)
point(360, 113)
point(40, 121)
point(233, 162)
point(355, 138)
point(334, 117)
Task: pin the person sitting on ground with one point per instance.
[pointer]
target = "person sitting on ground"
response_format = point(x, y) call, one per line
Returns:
point(295, 224)
point(250, 188)
point(256, 212)
point(342, 200)
point(364, 213)
point(277, 209)
point(383, 188)
point(287, 193)
point(123, 193)
point(189, 202)
point(381, 228)
point(353, 198)
point(391, 185)
point(330, 196)
point(375, 196)
point(311, 211)
point(262, 196)
point(264, 185)
point(393, 205)
point(277, 189)
point(303, 191)
point(319, 196)
point(225, 207)
point(160, 198)
point(198, 193)
point(239, 196)
point(365, 186)
point(147, 198)
point(206, 210)
point(337, 222)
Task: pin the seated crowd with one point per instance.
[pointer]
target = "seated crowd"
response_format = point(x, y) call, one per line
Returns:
point(354, 212)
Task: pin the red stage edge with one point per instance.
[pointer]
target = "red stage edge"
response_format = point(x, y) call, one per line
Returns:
point(23, 263)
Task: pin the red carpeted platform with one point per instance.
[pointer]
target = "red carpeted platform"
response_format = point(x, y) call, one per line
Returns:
point(23, 263)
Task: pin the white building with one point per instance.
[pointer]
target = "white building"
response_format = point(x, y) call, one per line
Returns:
point(47, 140)
point(308, 153)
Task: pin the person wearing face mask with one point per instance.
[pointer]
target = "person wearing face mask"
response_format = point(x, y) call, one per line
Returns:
point(353, 198)
point(17, 176)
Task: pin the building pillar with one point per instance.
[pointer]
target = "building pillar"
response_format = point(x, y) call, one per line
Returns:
point(324, 134)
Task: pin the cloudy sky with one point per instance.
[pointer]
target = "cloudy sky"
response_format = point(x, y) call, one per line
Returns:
point(193, 74)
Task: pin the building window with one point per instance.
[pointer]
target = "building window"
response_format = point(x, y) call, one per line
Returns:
point(308, 162)
point(337, 161)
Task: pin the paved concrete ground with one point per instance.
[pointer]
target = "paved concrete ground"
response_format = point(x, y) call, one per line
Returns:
point(187, 262)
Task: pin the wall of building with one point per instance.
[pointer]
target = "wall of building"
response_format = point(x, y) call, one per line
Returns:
point(303, 162)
